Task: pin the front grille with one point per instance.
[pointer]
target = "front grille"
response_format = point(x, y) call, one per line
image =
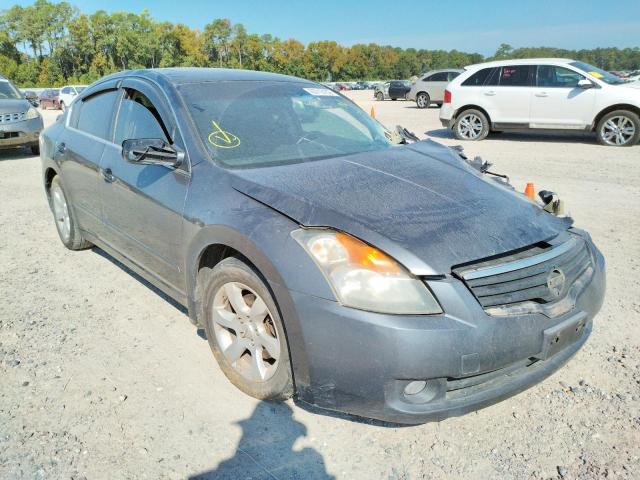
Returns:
point(541, 275)
point(11, 117)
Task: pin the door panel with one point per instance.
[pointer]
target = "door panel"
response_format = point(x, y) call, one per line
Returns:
point(558, 102)
point(142, 210)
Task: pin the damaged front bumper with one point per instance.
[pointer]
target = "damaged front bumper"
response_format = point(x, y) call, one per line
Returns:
point(362, 363)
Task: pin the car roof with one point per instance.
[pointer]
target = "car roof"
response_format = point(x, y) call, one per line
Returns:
point(182, 75)
point(443, 70)
point(520, 61)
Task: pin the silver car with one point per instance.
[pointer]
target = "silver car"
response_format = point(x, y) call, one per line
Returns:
point(430, 87)
point(20, 122)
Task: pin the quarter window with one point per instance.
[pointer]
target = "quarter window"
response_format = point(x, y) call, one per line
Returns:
point(516, 75)
point(138, 118)
point(452, 75)
point(557, 77)
point(66, 90)
point(480, 78)
point(95, 113)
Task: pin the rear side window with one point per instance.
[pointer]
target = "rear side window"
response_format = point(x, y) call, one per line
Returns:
point(437, 77)
point(557, 77)
point(66, 90)
point(517, 76)
point(480, 78)
point(452, 75)
point(138, 118)
point(95, 113)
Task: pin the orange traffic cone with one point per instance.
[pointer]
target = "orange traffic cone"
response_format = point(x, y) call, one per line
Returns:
point(373, 112)
point(530, 191)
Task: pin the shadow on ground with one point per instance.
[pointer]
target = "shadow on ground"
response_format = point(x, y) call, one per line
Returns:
point(15, 154)
point(529, 136)
point(265, 450)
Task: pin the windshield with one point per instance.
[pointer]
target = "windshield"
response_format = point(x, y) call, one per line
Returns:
point(598, 73)
point(258, 123)
point(7, 90)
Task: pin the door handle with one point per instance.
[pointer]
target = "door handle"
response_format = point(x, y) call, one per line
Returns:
point(490, 93)
point(542, 94)
point(61, 147)
point(107, 175)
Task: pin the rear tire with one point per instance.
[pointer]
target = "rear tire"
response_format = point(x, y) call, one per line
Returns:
point(35, 149)
point(423, 100)
point(471, 125)
point(247, 338)
point(620, 128)
point(66, 224)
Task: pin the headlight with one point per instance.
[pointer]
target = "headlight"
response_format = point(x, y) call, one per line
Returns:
point(364, 277)
point(31, 113)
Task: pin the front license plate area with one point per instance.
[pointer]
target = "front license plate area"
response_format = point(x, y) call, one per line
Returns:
point(556, 338)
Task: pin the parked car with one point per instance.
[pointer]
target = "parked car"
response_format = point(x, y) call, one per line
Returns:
point(31, 97)
point(68, 93)
point(558, 94)
point(20, 122)
point(430, 87)
point(322, 259)
point(393, 89)
point(50, 98)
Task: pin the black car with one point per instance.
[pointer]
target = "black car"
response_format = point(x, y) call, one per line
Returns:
point(393, 89)
point(323, 260)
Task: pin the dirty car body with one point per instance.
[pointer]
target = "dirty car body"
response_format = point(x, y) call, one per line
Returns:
point(514, 289)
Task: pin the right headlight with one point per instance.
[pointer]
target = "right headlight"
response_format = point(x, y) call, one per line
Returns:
point(31, 113)
point(363, 277)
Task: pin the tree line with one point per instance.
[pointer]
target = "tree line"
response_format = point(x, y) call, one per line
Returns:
point(51, 44)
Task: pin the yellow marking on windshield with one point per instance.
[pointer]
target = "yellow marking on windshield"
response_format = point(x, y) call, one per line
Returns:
point(596, 74)
point(221, 139)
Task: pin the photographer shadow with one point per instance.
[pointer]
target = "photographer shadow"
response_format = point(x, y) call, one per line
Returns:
point(265, 450)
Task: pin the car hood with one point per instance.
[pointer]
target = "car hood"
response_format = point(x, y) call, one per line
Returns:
point(419, 203)
point(13, 105)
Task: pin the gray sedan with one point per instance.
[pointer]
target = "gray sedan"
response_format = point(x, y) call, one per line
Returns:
point(323, 260)
point(20, 122)
point(429, 88)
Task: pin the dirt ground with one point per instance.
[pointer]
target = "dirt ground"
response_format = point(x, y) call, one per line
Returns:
point(102, 377)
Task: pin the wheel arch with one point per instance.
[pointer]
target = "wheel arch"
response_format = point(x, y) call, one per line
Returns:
point(613, 108)
point(472, 107)
point(217, 242)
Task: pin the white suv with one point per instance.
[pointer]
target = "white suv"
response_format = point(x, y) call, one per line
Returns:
point(68, 93)
point(538, 93)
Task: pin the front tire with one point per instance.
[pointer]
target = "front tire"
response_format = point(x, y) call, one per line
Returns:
point(380, 96)
point(471, 125)
point(66, 224)
point(620, 128)
point(244, 330)
point(62, 106)
point(423, 100)
point(35, 149)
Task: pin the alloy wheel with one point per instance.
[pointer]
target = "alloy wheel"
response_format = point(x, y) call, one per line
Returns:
point(470, 126)
point(61, 212)
point(421, 101)
point(618, 130)
point(245, 332)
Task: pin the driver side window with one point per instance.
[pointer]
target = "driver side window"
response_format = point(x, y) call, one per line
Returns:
point(138, 118)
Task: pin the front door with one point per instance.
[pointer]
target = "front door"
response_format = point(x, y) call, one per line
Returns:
point(558, 101)
point(142, 205)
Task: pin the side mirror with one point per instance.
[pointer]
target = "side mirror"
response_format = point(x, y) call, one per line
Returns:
point(152, 151)
point(585, 84)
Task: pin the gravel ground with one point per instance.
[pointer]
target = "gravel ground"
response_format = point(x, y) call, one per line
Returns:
point(103, 377)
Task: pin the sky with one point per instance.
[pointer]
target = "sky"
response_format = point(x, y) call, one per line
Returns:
point(470, 26)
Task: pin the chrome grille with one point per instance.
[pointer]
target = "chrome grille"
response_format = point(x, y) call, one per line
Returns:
point(11, 117)
point(540, 275)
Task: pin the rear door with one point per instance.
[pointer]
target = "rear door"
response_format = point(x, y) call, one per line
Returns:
point(79, 150)
point(511, 97)
point(142, 205)
point(558, 101)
